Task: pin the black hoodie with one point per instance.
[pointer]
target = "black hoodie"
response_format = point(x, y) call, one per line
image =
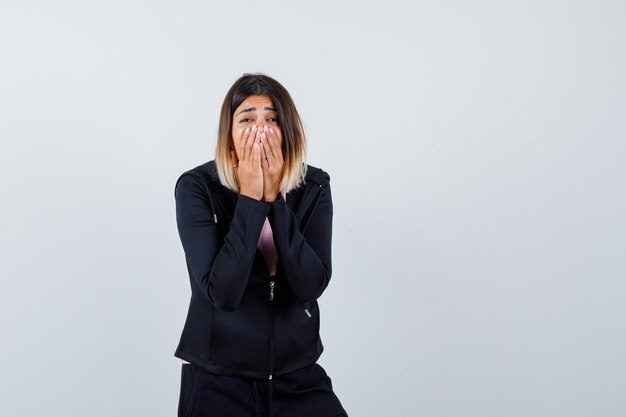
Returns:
point(239, 322)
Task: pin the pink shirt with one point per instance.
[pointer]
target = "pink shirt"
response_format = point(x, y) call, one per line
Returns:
point(266, 246)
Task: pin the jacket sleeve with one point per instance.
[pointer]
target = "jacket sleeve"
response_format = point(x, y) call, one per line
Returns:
point(219, 268)
point(306, 257)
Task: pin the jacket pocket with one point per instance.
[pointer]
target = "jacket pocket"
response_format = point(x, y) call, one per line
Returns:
point(295, 329)
point(196, 336)
point(240, 338)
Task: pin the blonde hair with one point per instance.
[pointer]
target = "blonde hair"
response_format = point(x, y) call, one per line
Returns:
point(294, 144)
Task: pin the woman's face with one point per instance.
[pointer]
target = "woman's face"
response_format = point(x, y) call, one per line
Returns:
point(255, 110)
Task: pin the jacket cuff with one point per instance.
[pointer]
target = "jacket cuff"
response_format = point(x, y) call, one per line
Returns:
point(254, 203)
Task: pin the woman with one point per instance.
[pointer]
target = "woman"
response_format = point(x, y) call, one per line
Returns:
point(256, 226)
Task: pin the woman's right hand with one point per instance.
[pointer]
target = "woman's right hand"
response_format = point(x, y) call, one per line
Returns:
point(248, 171)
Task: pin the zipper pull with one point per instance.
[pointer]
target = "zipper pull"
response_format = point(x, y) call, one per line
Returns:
point(271, 290)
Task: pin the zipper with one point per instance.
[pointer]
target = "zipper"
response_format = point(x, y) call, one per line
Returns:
point(271, 329)
point(313, 192)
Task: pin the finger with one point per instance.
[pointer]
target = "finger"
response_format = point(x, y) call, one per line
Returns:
point(273, 139)
point(257, 142)
point(242, 143)
point(250, 143)
point(267, 144)
point(256, 157)
point(267, 148)
point(275, 148)
point(264, 150)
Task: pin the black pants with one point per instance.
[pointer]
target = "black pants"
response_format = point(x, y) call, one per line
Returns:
point(305, 392)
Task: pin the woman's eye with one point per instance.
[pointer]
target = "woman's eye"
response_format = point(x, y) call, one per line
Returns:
point(274, 119)
point(244, 120)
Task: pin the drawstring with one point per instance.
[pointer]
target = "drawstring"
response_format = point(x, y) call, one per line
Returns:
point(207, 188)
point(212, 208)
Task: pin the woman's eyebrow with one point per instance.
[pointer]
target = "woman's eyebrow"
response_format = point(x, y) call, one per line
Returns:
point(254, 108)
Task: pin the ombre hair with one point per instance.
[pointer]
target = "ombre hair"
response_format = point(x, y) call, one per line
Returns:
point(293, 139)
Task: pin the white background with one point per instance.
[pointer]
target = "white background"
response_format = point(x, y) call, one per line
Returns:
point(476, 153)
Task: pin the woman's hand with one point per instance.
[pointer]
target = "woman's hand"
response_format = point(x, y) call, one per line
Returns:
point(248, 170)
point(272, 163)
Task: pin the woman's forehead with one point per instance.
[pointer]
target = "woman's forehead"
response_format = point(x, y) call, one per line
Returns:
point(255, 103)
point(257, 100)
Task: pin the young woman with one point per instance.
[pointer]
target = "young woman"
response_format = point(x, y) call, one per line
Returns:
point(256, 227)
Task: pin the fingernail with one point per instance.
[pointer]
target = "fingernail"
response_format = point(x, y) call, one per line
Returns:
point(247, 129)
point(254, 128)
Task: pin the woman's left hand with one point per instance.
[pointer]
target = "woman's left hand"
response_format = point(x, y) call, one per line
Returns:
point(272, 163)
